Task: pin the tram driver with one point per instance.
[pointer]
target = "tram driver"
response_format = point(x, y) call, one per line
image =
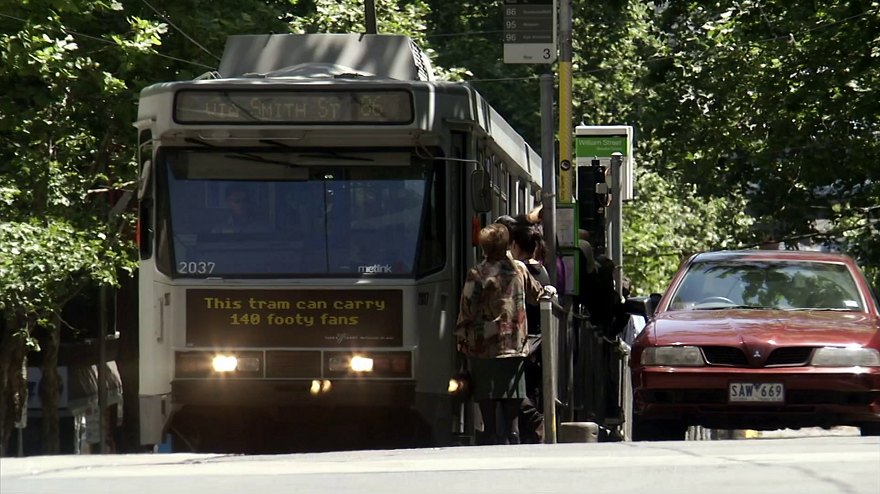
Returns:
point(241, 217)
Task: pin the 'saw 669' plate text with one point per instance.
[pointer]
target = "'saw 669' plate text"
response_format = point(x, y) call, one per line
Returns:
point(756, 392)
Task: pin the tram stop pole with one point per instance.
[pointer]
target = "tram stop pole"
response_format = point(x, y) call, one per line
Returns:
point(548, 176)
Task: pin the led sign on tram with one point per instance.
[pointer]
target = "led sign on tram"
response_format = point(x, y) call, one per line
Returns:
point(374, 106)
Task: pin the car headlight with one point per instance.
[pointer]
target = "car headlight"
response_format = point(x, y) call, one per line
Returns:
point(845, 357)
point(689, 356)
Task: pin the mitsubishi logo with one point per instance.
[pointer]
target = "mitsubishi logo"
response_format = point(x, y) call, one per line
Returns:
point(757, 354)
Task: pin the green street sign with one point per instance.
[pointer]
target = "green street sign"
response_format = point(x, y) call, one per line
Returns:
point(604, 146)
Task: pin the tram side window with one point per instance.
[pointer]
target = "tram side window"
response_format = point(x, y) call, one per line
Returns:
point(145, 195)
point(163, 231)
point(491, 166)
point(503, 183)
point(432, 253)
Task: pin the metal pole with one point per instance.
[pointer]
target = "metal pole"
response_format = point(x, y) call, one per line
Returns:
point(566, 170)
point(22, 418)
point(102, 368)
point(548, 202)
point(548, 198)
point(548, 369)
point(370, 17)
point(615, 214)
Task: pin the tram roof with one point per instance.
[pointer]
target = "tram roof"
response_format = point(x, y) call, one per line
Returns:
point(320, 59)
point(378, 55)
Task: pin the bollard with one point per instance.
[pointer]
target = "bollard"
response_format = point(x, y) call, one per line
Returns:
point(548, 357)
point(578, 432)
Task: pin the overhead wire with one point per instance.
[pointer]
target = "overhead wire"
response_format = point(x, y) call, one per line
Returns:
point(181, 31)
point(108, 42)
point(166, 18)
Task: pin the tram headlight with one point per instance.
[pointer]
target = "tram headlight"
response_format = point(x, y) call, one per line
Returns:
point(460, 385)
point(361, 364)
point(455, 386)
point(224, 363)
point(217, 364)
point(372, 364)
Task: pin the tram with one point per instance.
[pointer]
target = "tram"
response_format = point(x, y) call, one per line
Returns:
point(306, 216)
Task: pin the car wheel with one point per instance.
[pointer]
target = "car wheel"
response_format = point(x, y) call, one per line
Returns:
point(658, 430)
point(870, 429)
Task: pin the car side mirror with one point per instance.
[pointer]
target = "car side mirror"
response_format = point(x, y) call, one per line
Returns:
point(642, 306)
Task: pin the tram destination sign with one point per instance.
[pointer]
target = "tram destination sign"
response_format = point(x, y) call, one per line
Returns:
point(529, 31)
point(364, 106)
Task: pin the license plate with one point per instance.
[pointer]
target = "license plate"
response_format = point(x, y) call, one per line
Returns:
point(756, 392)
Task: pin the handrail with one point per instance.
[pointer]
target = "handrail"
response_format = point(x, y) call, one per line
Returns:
point(557, 309)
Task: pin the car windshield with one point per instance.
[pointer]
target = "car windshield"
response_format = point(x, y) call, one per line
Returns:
point(283, 213)
point(785, 285)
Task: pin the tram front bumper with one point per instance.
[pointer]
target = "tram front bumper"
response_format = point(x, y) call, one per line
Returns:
point(280, 393)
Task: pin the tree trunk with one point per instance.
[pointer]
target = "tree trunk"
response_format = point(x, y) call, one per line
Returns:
point(13, 381)
point(50, 390)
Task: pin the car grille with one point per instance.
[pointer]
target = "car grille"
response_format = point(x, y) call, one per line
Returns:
point(725, 355)
point(734, 357)
point(789, 356)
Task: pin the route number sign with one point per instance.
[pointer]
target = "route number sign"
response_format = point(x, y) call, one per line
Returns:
point(529, 31)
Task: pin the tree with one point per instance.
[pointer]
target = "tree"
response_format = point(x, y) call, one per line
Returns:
point(62, 152)
point(779, 104)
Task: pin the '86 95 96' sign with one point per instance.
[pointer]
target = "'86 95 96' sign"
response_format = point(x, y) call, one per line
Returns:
point(529, 31)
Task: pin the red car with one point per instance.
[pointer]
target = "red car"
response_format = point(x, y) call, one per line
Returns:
point(758, 340)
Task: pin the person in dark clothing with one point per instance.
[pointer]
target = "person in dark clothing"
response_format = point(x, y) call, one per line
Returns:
point(597, 295)
point(526, 240)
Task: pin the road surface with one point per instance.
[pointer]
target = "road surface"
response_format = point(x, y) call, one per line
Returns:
point(821, 465)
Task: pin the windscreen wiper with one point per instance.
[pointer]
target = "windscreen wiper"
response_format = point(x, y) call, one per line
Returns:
point(242, 155)
point(333, 155)
point(261, 159)
point(741, 306)
point(276, 143)
point(825, 309)
point(330, 155)
point(193, 140)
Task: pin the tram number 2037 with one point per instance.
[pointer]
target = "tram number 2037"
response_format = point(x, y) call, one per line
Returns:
point(195, 267)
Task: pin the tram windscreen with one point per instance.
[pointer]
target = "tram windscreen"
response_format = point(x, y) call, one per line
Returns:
point(267, 214)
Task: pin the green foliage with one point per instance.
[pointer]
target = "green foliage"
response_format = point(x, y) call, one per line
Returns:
point(44, 263)
point(64, 144)
point(392, 17)
point(611, 44)
point(777, 103)
point(668, 222)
